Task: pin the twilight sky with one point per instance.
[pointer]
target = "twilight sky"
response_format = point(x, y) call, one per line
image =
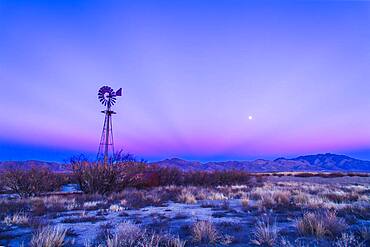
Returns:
point(192, 73)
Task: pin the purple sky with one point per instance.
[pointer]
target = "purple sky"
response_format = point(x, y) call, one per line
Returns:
point(192, 73)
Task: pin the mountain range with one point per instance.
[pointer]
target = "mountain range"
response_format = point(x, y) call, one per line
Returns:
point(28, 164)
point(315, 163)
point(319, 162)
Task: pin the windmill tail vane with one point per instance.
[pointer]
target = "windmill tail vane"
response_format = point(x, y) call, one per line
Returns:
point(108, 97)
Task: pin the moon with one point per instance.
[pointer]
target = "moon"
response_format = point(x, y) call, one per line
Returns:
point(250, 117)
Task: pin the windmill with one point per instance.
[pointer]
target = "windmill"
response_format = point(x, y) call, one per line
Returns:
point(107, 96)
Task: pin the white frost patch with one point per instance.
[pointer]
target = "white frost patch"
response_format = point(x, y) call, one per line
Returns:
point(116, 208)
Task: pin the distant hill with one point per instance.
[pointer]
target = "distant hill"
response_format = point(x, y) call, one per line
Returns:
point(315, 163)
point(320, 162)
point(28, 164)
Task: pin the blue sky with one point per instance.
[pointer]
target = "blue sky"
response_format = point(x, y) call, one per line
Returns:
point(192, 73)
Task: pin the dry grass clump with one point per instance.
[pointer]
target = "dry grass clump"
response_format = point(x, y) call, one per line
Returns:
point(360, 209)
point(186, 196)
point(266, 200)
point(20, 219)
point(282, 198)
point(175, 242)
point(301, 198)
point(207, 204)
point(55, 203)
point(316, 202)
point(84, 218)
point(133, 198)
point(274, 200)
point(180, 216)
point(364, 232)
point(341, 196)
point(38, 207)
point(128, 234)
point(257, 193)
point(205, 232)
point(82, 198)
point(158, 196)
point(200, 193)
point(217, 196)
point(311, 224)
point(273, 196)
point(131, 235)
point(283, 242)
point(320, 224)
point(13, 206)
point(61, 203)
point(265, 234)
point(49, 237)
point(348, 240)
point(94, 205)
point(245, 202)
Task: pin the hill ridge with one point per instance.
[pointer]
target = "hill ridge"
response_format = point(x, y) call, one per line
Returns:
point(317, 162)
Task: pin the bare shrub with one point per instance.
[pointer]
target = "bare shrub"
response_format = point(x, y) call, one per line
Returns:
point(100, 178)
point(170, 176)
point(205, 232)
point(265, 234)
point(31, 182)
point(138, 175)
point(214, 178)
point(95, 177)
point(49, 237)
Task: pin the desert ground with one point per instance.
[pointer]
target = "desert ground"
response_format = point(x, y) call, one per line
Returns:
point(278, 211)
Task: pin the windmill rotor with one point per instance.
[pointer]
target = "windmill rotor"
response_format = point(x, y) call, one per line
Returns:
point(107, 96)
